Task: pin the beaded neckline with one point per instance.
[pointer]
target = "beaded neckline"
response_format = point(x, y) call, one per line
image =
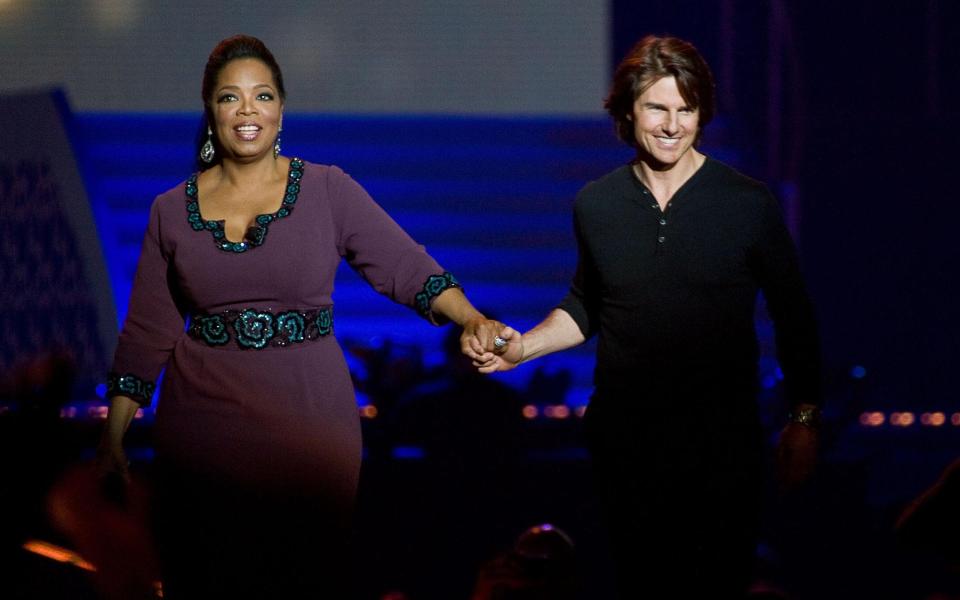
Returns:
point(257, 233)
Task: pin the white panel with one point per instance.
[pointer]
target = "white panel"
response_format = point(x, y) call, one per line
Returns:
point(417, 56)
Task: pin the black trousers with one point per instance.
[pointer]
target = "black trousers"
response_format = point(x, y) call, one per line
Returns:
point(680, 480)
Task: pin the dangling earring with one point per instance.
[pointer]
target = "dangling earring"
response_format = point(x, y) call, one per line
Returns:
point(276, 144)
point(207, 151)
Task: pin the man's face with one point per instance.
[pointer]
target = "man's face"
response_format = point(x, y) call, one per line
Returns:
point(664, 125)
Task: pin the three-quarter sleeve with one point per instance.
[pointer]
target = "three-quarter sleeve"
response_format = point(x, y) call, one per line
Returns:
point(777, 269)
point(581, 302)
point(381, 251)
point(153, 324)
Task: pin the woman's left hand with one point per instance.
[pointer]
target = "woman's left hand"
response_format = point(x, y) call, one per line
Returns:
point(507, 356)
point(476, 341)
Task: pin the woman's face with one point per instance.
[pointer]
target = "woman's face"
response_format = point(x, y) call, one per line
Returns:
point(247, 109)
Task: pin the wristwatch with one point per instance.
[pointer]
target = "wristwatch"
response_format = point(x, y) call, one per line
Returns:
point(807, 415)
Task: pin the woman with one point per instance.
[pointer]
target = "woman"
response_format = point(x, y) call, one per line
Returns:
point(257, 434)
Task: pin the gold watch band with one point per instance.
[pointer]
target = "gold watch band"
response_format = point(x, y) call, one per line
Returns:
point(807, 415)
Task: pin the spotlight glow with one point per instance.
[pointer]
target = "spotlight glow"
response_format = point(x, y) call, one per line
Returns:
point(54, 552)
point(97, 412)
point(556, 411)
point(902, 419)
point(933, 419)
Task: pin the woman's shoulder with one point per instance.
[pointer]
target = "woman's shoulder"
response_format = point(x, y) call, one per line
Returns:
point(176, 195)
point(313, 167)
point(330, 180)
point(320, 171)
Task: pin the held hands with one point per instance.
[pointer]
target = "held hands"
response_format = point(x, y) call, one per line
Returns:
point(507, 348)
point(476, 341)
point(506, 354)
point(491, 345)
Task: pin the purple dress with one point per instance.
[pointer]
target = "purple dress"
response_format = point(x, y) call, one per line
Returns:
point(256, 397)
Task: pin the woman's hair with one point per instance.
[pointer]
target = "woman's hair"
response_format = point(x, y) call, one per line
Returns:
point(230, 49)
point(650, 60)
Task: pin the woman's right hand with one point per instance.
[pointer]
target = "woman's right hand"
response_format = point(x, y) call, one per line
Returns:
point(112, 460)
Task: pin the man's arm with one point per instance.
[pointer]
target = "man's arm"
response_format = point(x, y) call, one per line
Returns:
point(798, 346)
point(555, 333)
point(797, 448)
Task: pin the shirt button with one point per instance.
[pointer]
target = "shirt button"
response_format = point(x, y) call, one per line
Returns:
point(654, 205)
point(661, 239)
point(663, 221)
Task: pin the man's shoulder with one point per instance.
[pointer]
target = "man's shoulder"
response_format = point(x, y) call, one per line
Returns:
point(599, 192)
point(722, 177)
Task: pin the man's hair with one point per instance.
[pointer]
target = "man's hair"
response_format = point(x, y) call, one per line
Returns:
point(650, 60)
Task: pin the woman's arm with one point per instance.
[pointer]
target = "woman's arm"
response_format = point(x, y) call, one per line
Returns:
point(150, 331)
point(110, 455)
point(400, 268)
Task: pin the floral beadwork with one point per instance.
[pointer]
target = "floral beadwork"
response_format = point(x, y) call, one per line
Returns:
point(432, 287)
point(213, 329)
point(292, 324)
point(130, 385)
point(257, 233)
point(254, 328)
point(324, 322)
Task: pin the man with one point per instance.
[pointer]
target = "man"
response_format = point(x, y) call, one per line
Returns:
point(672, 251)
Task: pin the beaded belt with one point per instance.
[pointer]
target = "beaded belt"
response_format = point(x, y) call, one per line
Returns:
point(254, 328)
